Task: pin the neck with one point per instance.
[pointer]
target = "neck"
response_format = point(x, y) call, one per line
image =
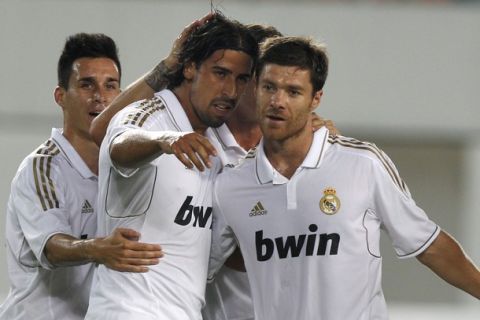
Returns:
point(182, 94)
point(287, 155)
point(247, 134)
point(85, 147)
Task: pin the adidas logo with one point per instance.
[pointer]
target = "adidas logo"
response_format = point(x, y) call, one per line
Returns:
point(258, 210)
point(87, 207)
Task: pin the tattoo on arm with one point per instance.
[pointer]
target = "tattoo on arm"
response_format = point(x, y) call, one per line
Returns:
point(157, 77)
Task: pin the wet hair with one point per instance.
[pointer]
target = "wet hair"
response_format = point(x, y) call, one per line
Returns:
point(218, 33)
point(298, 52)
point(261, 32)
point(85, 45)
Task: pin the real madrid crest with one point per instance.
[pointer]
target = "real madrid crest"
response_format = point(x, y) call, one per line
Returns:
point(329, 204)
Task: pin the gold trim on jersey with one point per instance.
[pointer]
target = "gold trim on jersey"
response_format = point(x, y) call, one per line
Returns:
point(357, 144)
point(42, 163)
point(144, 110)
point(251, 153)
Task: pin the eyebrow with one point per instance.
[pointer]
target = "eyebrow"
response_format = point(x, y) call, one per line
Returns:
point(92, 79)
point(220, 68)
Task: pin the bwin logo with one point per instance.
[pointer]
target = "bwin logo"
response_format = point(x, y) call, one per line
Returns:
point(187, 211)
point(295, 244)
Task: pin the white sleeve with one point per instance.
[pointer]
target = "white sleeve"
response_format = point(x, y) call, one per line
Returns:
point(39, 205)
point(409, 228)
point(223, 239)
point(125, 120)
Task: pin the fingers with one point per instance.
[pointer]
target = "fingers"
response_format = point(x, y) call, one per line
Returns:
point(319, 122)
point(191, 28)
point(129, 260)
point(129, 234)
point(194, 149)
point(142, 250)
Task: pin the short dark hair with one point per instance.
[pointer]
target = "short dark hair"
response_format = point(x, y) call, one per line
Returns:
point(85, 45)
point(296, 51)
point(261, 32)
point(216, 34)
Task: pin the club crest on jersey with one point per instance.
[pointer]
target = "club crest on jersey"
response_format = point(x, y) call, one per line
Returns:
point(329, 204)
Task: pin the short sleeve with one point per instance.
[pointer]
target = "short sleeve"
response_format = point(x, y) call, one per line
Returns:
point(409, 228)
point(38, 202)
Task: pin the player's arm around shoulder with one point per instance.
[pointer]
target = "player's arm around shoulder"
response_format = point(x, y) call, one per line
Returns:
point(446, 258)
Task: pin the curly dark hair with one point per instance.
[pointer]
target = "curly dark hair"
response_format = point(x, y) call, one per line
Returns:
point(216, 34)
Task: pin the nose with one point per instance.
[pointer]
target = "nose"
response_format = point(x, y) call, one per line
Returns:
point(99, 95)
point(230, 88)
point(278, 98)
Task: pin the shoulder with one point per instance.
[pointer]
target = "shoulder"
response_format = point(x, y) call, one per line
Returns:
point(356, 148)
point(40, 171)
point(137, 113)
point(379, 163)
point(43, 158)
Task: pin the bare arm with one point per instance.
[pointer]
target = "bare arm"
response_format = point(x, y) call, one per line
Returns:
point(144, 87)
point(446, 258)
point(136, 91)
point(120, 251)
point(135, 148)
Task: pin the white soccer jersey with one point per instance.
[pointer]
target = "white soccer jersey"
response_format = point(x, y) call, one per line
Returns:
point(311, 243)
point(53, 192)
point(228, 297)
point(169, 205)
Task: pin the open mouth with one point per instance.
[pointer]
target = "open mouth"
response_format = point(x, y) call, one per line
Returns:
point(274, 117)
point(223, 106)
point(94, 114)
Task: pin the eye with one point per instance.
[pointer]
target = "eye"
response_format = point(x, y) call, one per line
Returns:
point(294, 93)
point(243, 79)
point(86, 85)
point(220, 73)
point(112, 86)
point(268, 87)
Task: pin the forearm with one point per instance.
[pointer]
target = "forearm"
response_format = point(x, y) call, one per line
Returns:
point(119, 251)
point(65, 250)
point(446, 258)
point(136, 148)
point(136, 91)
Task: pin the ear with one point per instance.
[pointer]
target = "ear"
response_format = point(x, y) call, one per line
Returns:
point(59, 96)
point(189, 70)
point(317, 97)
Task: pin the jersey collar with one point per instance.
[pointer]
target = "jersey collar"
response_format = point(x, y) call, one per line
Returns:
point(225, 137)
point(175, 110)
point(266, 173)
point(71, 154)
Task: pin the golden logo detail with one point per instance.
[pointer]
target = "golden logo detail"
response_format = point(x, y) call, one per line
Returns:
point(329, 204)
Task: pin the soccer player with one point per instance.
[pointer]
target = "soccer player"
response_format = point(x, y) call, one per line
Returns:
point(306, 208)
point(51, 212)
point(144, 186)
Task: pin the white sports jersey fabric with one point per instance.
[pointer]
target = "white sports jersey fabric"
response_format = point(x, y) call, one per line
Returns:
point(53, 192)
point(228, 297)
point(169, 205)
point(311, 243)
